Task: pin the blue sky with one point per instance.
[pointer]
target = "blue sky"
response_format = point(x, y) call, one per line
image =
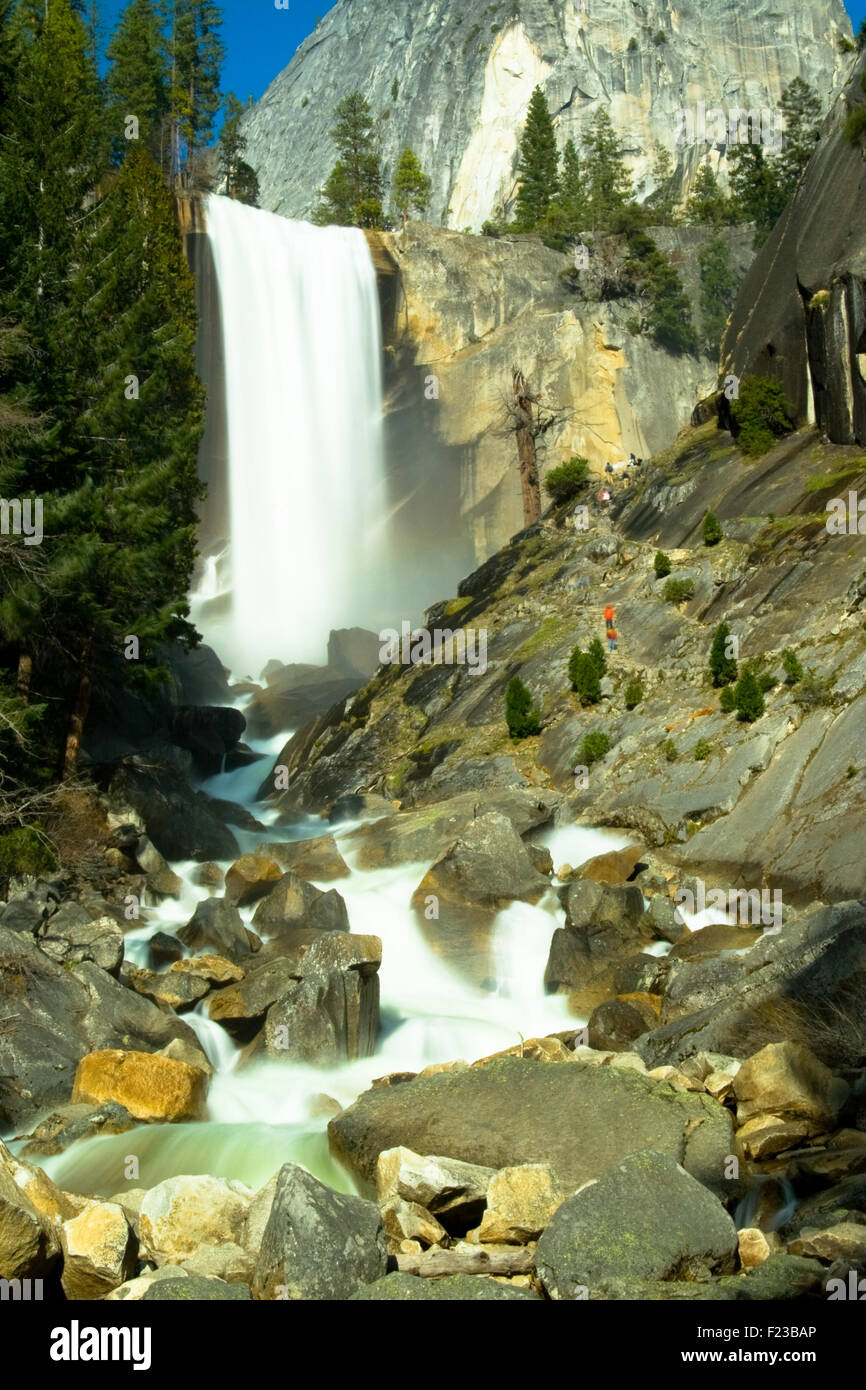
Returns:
point(261, 39)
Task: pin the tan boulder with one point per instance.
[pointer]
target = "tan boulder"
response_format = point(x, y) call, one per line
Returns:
point(755, 1246)
point(250, 878)
point(410, 1221)
point(215, 969)
point(442, 1186)
point(151, 1087)
point(616, 866)
point(29, 1240)
point(520, 1203)
point(182, 1214)
point(788, 1080)
point(99, 1252)
point(227, 1261)
point(766, 1135)
point(844, 1241)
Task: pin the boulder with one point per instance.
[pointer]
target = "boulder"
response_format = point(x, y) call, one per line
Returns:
point(150, 1087)
point(169, 990)
point(29, 1243)
point(182, 823)
point(161, 878)
point(293, 902)
point(225, 1261)
point(617, 866)
point(316, 860)
point(99, 1252)
point(100, 942)
point(248, 1001)
point(844, 1241)
point(786, 1079)
point(69, 1123)
point(182, 1214)
point(415, 836)
point(318, 1244)
point(647, 1218)
point(194, 1289)
point(216, 970)
point(754, 1246)
point(332, 1012)
point(409, 1221)
point(613, 1026)
point(250, 878)
point(164, 947)
point(579, 1119)
point(209, 732)
point(520, 1204)
point(488, 865)
point(452, 1288)
point(454, 1192)
point(218, 924)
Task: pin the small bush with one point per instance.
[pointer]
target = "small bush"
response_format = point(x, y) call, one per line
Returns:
point(633, 694)
point(490, 229)
point(565, 482)
point(820, 299)
point(26, 850)
point(766, 681)
point(728, 699)
point(520, 715)
point(633, 44)
point(852, 771)
point(761, 414)
point(713, 532)
point(593, 748)
point(813, 690)
point(662, 565)
point(678, 590)
point(792, 666)
point(670, 750)
point(702, 750)
point(659, 37)
point(748, 699)
point(585, 677)
point(723, 668)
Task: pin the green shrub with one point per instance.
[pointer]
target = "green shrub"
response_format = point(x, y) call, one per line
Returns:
point(659, 37)
point(728, 699)
point(792, 666)
point(723, 668)
point(593, 748)
point(678, 590)
point(662, 565)
point(852, 771)
point(585, 677)
point(26, 850)
point(633, 694)
point(491, 229)
point(761, 414)
point(566, 481)
point(766, 681)
point(855, 121)
point(670, 750)
point(748, 700)
point(813, 690)
point(713, 532)
point(633, 44)
point(597, 656)
point(520, 715)
point(702, 750)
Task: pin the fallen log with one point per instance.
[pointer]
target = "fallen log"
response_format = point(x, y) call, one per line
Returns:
point(433, 1263)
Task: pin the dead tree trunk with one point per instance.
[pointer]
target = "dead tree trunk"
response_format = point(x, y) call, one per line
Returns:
point(25, 673)
point(432, 1264)
point(525, 429)
point(77, 721)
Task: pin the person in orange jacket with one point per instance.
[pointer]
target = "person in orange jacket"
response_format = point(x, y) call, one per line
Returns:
point(611, 639)
point(608, 617)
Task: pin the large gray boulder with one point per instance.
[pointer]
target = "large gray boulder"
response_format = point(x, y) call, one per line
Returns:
point(318, 1244)
point(330, 1011)
point(487, 866)
point(293, 902)
point(647, 1218)
point(217, 924)
point(452, 1288)
point(578, 1119)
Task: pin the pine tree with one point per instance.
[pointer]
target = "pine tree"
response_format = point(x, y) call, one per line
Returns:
point(712, 529)
point(597, 656)
point(538, 166)
point(662, 202)
point(707, 205)
point(241, 181)
point(723, 668)
point(521, 717)
point(608, 182)
point(138, 80)
point(802, 111)
point(585, 676)
point(718, 292)
point(755, 192)
point(748, 700)
point(411, 186)
point(126, 535)
point(572, 191)
point(196, 56)
point(352, 195)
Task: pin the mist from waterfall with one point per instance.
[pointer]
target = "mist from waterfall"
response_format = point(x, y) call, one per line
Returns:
point(308, 544)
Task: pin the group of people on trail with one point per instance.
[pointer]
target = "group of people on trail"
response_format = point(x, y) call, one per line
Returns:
point(611, 632)
point(610, 468)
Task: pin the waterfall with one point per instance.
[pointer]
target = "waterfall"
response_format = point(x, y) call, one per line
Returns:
point(303, 389)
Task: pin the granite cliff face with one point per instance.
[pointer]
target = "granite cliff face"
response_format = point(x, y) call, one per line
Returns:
point(461, 310)
point(801, 312)
point(453, 79)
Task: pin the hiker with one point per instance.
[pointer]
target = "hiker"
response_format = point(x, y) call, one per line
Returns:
point(611, 639)
point(608, 467)
point(604, 495)
point(631, 460)
point(608, 617)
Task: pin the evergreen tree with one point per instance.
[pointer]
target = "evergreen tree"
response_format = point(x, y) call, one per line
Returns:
point(748, 699)
point(755, 192)
point(138, 80)
point(572, 191)
point(196, 55)
point(597, 656)
point(521, 717)
point(723, 668)
point(861, 36)
point(241, 181)
point(125, 537)
point(802, 111)
point(608, 182)
point(538, 166)
point(662, 202)
point(585, 676)
point(718, 292)
point(411, 185)
point(352, 195)
point(712, 529)
point(707, 205)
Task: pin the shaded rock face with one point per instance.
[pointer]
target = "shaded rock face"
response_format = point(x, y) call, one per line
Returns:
point(455, 84)
point(801, 312)
point(578, 1120)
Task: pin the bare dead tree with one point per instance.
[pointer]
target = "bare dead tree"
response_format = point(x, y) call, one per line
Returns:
point(529, 420)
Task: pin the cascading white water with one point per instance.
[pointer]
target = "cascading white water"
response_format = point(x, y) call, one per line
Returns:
point(303, 388)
